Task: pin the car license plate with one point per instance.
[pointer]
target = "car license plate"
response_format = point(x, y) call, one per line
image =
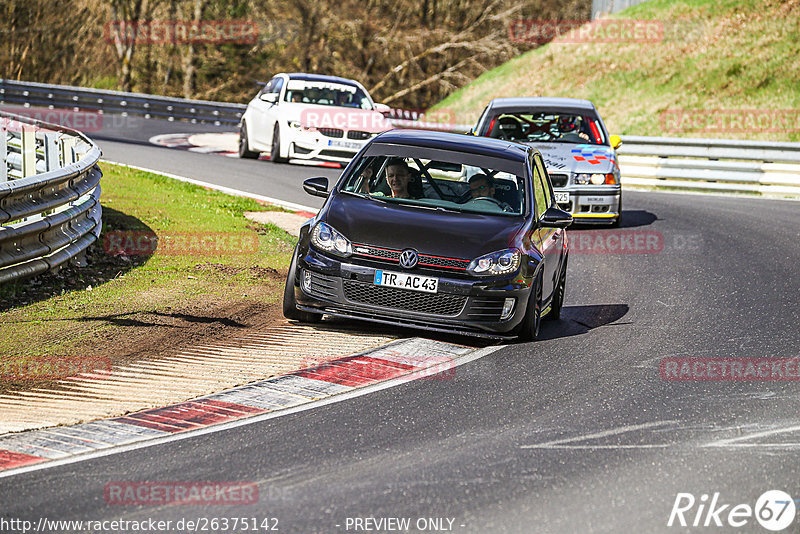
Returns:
point(595, 199)
point(413, 282)
point(562, 198)
point(344, 144)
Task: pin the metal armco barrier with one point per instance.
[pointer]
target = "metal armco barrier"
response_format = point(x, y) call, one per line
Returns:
point(139, 104)
point(49, 196)
point(712, 164)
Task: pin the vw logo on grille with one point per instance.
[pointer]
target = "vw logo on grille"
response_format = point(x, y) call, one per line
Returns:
point(408, 259)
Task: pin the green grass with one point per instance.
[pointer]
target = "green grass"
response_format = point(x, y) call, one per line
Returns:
point(714, 55)
point(57, 313)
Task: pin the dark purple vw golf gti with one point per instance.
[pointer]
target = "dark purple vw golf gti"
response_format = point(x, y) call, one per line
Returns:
point(437, 231)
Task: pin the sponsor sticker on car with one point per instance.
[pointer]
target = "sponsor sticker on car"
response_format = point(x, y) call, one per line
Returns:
point(414, 282)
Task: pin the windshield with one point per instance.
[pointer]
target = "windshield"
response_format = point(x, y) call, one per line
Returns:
point(449, 180)
point(327, 94)
point(546, 126)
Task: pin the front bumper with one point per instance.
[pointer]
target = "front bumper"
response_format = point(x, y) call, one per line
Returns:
point(313, 145)
point(591, 205)
point(466, 306)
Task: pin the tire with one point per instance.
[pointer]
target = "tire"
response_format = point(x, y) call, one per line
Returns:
point(558, 297)
point(275, 153)
point(532, 323)
point(290, 310)
point(244, 144)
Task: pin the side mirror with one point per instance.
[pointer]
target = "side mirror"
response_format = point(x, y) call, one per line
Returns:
point(383, 109)
point(471, 131)
point(556, 218)
point(269, 97)
point(615, 141)
point(317, 187)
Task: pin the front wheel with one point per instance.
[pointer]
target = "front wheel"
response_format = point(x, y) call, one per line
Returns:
point(244, 144)
point(290, 310)
point(558, 297)
point(275, 153)
point(531, 324)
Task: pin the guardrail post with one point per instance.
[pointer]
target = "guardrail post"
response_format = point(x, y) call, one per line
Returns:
point(28, 144)
point(4, 155)
point(68, 156)
point(52, 156)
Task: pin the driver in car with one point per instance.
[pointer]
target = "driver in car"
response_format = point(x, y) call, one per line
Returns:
point(482, 186)
point(568, 125)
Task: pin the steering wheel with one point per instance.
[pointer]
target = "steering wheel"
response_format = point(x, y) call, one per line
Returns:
point(499, 204)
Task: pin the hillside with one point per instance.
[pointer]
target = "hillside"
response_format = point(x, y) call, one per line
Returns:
point(713, 57)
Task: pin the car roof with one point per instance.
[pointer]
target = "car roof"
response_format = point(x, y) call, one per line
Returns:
point(320, 78)
point(456, 142)
point(542, 102)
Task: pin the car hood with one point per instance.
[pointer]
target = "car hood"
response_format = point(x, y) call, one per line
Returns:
point(576, 158)
point(343, 118)
point(428, 231)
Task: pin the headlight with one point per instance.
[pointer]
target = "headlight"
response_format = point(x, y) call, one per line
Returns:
point(497, 263)
point(326, 238)
point(295, 124)
point(595, 179)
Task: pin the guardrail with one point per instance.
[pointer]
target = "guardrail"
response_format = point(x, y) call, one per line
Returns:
point(49, 196)
point(711, 164)
point(140, 104)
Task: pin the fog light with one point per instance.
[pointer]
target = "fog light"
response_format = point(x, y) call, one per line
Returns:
point(307, 281)
point(508, 308)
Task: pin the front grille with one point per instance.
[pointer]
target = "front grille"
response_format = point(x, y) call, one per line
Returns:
point(424, 260)
point(486, 308)
point(331, 132)
point(444, 304)
point(436, 261)
point(357, 134)
point(559, 180)
point(323, 285)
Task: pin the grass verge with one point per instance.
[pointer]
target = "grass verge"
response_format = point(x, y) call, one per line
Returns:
point(212, 273)
point(714, 55)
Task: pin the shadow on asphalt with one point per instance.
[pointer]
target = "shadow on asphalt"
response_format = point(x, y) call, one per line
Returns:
point(577, 320)
point(630, 219)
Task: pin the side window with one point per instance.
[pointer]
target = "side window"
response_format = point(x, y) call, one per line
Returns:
point(538, 190)
point(278, 85)
point(548, 194)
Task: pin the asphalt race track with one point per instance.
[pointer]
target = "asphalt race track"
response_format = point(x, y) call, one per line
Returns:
point(577, 432)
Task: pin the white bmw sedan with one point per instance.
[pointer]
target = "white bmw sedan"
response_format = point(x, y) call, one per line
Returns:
point(310, 117)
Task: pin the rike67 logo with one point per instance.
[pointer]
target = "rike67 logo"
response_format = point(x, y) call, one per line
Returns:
point(774, 510)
